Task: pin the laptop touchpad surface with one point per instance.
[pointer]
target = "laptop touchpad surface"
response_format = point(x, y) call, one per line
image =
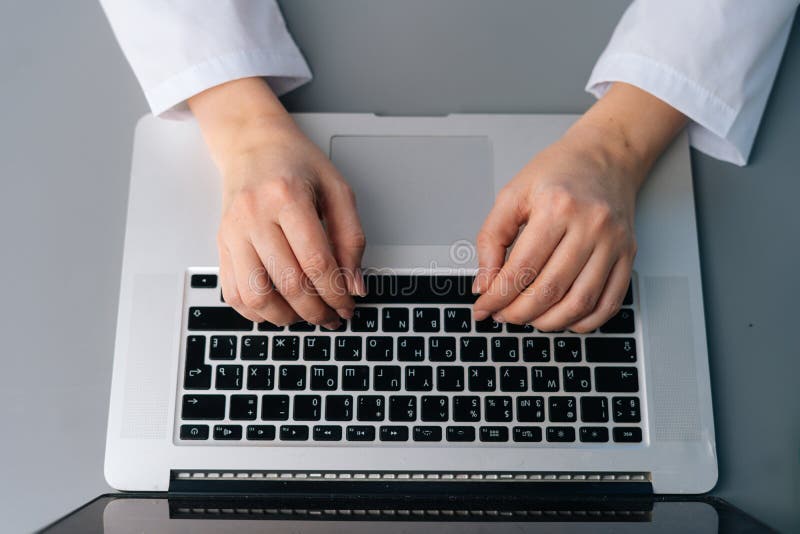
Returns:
point(418, 190)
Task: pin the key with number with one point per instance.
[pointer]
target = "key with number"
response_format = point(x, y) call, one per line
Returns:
point(402, 408)
point(339, 408)
point(435, 409)
point(594, 409)
point(626, 409)
point(307, 407)
point(370, 408)
point(499, 409)
point(466, 409)
point(562, 409)
point(530, 409)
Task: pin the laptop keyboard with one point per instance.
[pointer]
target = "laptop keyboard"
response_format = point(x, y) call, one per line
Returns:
point(411, 366)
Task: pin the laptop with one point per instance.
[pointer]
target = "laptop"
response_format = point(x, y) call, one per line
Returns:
point(411, 395)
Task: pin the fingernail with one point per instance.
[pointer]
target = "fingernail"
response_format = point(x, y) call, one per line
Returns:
point(361, 286)
point(345, 313)
point(332, 325)
point(475, 286)
point(480, 315)
point(498, 317)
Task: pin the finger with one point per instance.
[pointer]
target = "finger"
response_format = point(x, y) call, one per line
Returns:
point(290, 281)
point(554, 280)
point(243, 263)
point(230, 293)
point(611, 298)
point(309, 244)
point(534, 246)
point(345, 233)
point(497, 233)
point(582, 297)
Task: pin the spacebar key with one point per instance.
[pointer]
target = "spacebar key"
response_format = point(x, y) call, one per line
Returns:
point(217, 318)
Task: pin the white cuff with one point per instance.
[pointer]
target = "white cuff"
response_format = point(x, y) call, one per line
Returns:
point(283, 70)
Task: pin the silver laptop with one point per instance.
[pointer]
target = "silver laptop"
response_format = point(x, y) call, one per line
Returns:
point(412, 392)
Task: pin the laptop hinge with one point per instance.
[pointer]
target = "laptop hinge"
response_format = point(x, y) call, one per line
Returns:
point(412, 482)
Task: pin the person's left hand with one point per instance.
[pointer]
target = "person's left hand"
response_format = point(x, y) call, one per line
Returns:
point(571, 263)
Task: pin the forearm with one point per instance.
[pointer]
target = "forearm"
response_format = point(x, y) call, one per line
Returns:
point(237, 116)
point(630, 127)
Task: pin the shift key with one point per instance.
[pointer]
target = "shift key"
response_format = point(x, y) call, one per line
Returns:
point(217, 318)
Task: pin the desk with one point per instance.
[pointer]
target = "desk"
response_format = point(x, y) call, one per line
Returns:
point(69, 105)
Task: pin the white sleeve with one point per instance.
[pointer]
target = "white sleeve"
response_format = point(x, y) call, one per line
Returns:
point(179, 48)
point(713, 60)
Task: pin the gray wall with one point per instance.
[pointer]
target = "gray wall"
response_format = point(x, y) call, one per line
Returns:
point(69, 103)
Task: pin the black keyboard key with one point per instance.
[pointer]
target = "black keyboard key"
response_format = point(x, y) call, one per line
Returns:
point(567, 349)
point(195, 350)
point(254, 347)
point(220, 318)
point(202, 407)
point(442, 349)
point(512, 328)
point(560, 434)
point(449, 378)
point(292, 377)
point(327, 433)
point(494, 433)
point(513, 378)
point(562, 409)
point(394, 319)
point(360, 433)
point(266, 326)
point(593, 434)
point(324, 377)
point(380, 349)
point(611, 349)
point(294, 432)
point(499, 409)
point(536, 349)
point(260, 432)
point(371, 408)
point(488, 325)
point(466, 409)
point(627, 434)
point(364, 320)
point(302, 326)
point(274, 407)
point(530, 409)
point(616, 379)
point(394, 433)
point(527, 434)
point(348, 348)
point(222, 348)
point(411, 349)
point(626, 409)
point(594, 409)
point(457, 320)
point(505, 349)
point(419, 378)
point(285, 348)
point(544, 378)
point(204, 281)
point(435, 409)
point(386, 378)
point(197, 376)
point(482, 378)
point(622, 323)
point(355, 378)
point(229, 377)
point(307, 407)
point(339, 408)
point(427, 433)
point(260, 377)
point(426, 319)
point(577, 379)
point(244, 407)
point(194, 432)
point(317, 348)
point(402, 408)
point(228, 432)
point(460, 433)
point(472, 349)
point(628, 295)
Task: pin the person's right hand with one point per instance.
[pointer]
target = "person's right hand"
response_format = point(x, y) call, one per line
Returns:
point(290, 241)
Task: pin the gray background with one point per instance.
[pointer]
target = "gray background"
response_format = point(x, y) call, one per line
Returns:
point(69, 103)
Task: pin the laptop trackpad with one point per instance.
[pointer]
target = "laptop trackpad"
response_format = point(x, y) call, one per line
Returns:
point(418, 190)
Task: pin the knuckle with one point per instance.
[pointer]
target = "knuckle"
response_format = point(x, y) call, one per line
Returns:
point(561, 200)
point(233, 299)
point(581, 305)
point(255, 301)
point(291, 284)
point(548, 292)
point(356, 240)
point(316, 263)
point(484, 239)
point(316, 316)
point(282, 191)
point(515, 317)
point(610, 308)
